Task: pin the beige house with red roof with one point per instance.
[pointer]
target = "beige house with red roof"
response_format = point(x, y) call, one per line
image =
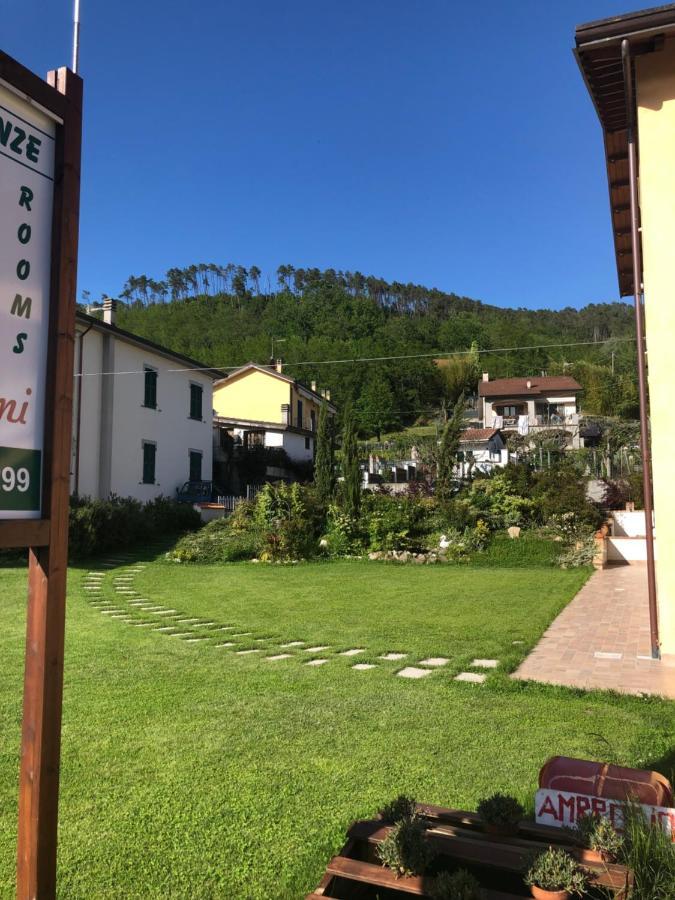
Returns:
point(531, 404)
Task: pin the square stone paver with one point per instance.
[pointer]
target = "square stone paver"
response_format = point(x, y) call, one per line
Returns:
point(226, 644)
point(485, 663)
point(471, 676)
point(434, 661)
point(413, 672)
point(361, 667)
point(316, 649)
point(246, 652)
point(353, 652)
point(316, 662)
point(279, 656)
point(600, 654)
point(294, 644)
point(394, 656)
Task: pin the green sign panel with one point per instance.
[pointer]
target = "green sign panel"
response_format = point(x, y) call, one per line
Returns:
point(20, 479)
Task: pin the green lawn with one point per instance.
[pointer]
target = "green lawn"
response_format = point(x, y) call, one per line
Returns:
point(191, 772)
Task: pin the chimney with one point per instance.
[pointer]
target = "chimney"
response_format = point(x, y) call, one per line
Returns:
point(328, 394)
point(313, 386)
point(279, 366)
point(486, 376)
point(529, 384)
point(109, 311)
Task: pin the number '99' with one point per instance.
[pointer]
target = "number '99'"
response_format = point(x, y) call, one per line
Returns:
point(12, 479)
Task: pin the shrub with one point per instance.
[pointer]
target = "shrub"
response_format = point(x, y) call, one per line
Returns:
point(342, 536)
point(216, 542)
point(288, 521)
point(460, 885)
point(405, 850)
point(97, 526)
point(529, 550)
point(560, 491)
point(495, 502)
point(597, 833)
point(500, 809)
point(556, 870)
point(402, 807)
point(392, 523)
point(581, 553)
point(648, 851)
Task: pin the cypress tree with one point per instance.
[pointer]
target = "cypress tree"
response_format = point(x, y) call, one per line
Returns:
point(324, 478)
point(350, 465)
point(447, 453)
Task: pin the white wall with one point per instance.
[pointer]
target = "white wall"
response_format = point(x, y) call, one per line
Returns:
point(294, 445)
point(169, 426)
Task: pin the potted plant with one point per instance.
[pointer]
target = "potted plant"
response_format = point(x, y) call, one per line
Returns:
point(460, 885)
point(555, 875)
point(405, 850)
point(403, 807)
point(599, 835)
point(501, 814)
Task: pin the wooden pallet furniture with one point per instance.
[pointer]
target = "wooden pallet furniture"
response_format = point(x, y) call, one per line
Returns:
point(460, 842)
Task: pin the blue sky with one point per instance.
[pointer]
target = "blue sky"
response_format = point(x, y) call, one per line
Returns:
point(444, 143)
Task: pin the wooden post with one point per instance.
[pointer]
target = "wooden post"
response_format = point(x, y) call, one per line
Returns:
point(45, 625)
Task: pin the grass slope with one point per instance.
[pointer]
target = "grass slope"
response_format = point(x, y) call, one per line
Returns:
point(190, 772)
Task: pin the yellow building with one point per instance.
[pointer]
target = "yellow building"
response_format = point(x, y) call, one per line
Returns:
point(628, 63)
point(261, 406)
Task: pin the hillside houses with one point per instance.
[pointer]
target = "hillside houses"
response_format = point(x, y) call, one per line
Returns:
point(260, 408)
point(531, 404)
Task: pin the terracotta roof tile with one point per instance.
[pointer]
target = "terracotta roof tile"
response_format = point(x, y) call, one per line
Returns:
point(502, 387)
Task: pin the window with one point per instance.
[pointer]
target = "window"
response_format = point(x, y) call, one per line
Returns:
point(149, 455)
point(196, 392)
point(509, 412)
point(299, 421)
point(150, 392)
point(307, 443)
point(312, 417)
point(195, 465)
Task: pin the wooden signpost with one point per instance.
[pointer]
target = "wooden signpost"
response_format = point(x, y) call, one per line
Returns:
point(40, 147)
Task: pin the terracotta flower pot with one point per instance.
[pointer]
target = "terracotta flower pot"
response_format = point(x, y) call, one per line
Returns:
point(541, 894)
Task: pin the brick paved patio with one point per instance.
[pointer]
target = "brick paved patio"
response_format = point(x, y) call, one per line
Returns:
point(601, 639)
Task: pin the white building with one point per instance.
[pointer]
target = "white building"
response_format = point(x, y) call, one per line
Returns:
point(142, 415)
point(482, 450)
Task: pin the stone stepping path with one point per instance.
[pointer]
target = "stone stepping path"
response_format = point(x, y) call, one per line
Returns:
point(172, 623)
point(413, 672)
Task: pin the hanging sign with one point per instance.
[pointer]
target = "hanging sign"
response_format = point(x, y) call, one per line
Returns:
point(27, 142)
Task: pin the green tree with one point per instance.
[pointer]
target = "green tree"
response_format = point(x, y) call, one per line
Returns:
point(350, 465)
point(375, 409)
point(447, 453)
point(324, 464)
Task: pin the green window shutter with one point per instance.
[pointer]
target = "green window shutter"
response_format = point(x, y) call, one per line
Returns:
point(149, 456)
point(195, 466)
point(150, 394)
point(196, 401)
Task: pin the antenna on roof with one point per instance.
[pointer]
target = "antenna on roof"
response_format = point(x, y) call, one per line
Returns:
point(76, 35)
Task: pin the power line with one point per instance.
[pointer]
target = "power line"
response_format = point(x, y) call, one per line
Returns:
point(367, 359)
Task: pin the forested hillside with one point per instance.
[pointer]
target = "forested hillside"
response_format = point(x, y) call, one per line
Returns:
point(226, 316)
